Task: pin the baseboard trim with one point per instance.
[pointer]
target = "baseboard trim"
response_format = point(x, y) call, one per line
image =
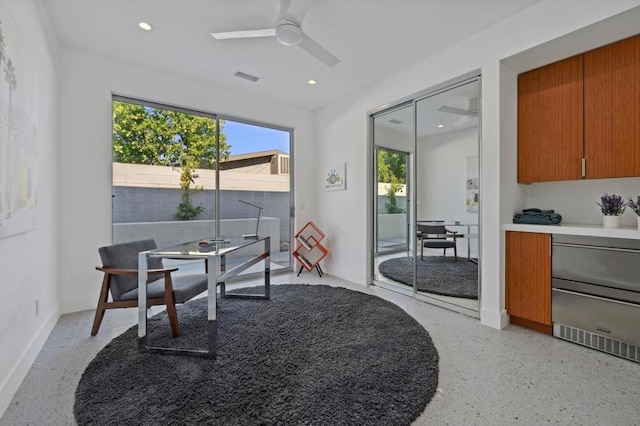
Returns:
point(9, 388)
point(347, 276)
point(494, 319)
point(79, 304)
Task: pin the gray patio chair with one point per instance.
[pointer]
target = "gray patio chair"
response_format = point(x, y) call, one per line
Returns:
point(437, 236)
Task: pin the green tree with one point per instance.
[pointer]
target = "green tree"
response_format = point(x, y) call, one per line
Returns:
point(161, 137)
point(392, 206)
point(392, 165)
point(186, 209)
point(392, 169)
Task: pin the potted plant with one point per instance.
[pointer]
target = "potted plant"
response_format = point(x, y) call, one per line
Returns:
point(612, 207)
point(635, 206)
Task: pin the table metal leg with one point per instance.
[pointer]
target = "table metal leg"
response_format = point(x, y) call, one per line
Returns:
point(216, 272)
point(266, 256)
point(212, 325)
point(142, 299)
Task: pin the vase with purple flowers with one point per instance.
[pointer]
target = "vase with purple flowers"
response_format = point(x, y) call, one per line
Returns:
point(612, 207)
point(635, 206)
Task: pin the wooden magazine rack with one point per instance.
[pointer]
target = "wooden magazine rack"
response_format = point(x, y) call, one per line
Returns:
point(309, 252)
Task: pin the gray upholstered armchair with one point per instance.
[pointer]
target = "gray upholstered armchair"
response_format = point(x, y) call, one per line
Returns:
point(437, 236)
point(120, 267)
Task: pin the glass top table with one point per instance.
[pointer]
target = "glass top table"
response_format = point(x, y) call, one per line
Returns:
point(214, 253)
point(204, 248)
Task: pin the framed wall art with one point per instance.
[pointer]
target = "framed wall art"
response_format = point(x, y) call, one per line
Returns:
point(335, 178)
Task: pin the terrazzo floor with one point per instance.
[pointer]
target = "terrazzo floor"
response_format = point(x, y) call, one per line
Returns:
point(513, 376)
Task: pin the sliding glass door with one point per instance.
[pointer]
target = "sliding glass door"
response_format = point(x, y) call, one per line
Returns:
point(255, 185)
point(394, 142)
point(182, 175)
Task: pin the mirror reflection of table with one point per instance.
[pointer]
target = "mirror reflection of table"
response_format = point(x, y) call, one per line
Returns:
point(468, 235)
point(214, 253)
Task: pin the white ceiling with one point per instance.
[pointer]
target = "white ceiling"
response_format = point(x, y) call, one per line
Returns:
point(372, 38)
point(429, 117)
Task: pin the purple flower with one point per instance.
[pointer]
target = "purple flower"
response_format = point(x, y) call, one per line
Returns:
point(612, 205)
point(635, 206)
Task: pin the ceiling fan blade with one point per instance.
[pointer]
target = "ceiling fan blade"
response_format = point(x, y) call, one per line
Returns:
point(453, 110)
point(294, 10)
point(319, 52)
point(268, 32)
point(460, 121)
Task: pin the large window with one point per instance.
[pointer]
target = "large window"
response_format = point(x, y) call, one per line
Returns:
point(181, 175)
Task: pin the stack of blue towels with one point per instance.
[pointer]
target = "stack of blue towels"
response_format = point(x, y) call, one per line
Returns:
point(537, 217)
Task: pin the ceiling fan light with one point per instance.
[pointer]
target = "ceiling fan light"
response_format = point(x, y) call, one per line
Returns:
point(288, 34)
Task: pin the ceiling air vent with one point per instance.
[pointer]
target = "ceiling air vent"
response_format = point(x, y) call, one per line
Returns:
point(246, 76)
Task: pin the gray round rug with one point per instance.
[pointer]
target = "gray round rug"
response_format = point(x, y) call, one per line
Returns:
point(435, 274)
point(312, 355)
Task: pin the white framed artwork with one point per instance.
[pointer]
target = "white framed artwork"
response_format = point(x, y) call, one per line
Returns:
point(18, 108)
point(335, 178)
point(473, 185)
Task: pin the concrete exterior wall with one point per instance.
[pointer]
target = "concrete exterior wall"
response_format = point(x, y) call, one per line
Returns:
point(383, 200)
point(392, 226)
point(143, 193)
point(167, 234)
point(138, 204)
point(141, 175)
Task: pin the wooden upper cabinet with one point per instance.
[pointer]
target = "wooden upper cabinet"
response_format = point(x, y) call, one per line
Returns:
point(528, 278)
point(550, 122)
point(612, 110)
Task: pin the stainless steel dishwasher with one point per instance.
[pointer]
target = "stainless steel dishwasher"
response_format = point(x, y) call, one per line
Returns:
point(596, 293)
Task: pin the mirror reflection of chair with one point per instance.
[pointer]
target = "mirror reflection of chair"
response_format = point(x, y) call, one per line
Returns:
point(120, 267)
point(437, 236)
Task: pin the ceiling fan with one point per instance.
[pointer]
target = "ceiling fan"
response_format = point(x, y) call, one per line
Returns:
point(287, 31)
point(467, 114)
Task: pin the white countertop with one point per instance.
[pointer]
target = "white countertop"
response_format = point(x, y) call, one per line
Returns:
point(577, 229)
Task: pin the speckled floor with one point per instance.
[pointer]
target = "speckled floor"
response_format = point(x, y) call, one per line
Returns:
point(513, 376)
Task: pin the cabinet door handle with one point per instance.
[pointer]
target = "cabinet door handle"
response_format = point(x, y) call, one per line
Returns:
point(584, 167)
point(584, 246)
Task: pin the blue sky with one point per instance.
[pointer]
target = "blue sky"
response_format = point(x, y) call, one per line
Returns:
point(245, 138)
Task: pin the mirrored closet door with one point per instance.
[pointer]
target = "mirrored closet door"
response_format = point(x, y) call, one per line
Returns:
point(393, 234)
point(448, 196)
point(434, 256)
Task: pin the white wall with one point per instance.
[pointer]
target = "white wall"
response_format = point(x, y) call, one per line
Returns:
point(28, 261)
point(581, 206)
point(86, 85)
point(442, 175)
point(344, 135)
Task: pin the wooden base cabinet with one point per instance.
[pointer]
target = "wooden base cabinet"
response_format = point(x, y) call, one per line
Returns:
point(528, 279)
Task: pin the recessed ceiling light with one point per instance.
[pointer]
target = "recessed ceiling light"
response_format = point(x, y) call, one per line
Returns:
point(312, 82)
point(144, 26)
point(440, 126)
